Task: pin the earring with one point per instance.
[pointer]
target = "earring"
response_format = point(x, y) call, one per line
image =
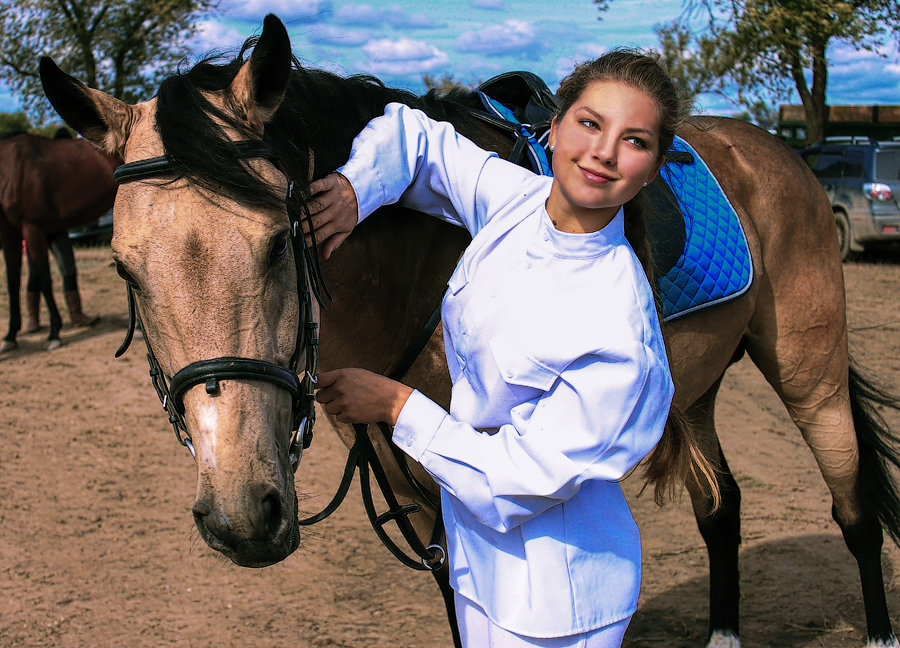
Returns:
point(645, 184)
point(552, 148)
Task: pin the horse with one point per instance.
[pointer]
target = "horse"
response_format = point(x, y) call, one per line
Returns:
point(46, 187)
point(202, 234)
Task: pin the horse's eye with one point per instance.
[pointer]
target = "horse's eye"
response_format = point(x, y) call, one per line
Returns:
point(279, 249)
point(122, 272)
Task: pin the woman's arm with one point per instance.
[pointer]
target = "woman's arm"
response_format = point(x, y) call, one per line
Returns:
point(597, 420)
point(404, 156)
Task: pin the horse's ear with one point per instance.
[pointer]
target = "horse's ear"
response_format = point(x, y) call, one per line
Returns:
point(259, 86)
point(103, 120)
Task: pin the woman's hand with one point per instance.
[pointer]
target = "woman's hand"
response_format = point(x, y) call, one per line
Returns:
point(334, 212)
point(360, 396)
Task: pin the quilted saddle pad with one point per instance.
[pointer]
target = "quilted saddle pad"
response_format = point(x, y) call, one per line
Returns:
point(715, 265)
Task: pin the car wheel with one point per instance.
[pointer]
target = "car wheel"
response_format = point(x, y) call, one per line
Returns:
point(843, 233)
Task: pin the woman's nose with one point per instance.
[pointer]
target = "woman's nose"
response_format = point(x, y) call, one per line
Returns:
point(604, 149)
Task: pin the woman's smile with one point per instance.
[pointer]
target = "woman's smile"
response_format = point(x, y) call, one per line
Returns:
point(605, 148)
point(597, 177)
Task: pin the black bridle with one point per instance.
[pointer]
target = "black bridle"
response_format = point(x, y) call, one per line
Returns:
point(362, 455)
point(209, 372)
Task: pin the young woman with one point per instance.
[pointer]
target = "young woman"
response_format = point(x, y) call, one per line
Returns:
point(560, 378)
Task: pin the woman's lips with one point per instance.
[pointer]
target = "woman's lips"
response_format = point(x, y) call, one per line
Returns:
point(595, 177)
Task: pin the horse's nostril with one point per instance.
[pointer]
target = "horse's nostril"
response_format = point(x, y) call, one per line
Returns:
point(200, 510)
point(271, 513)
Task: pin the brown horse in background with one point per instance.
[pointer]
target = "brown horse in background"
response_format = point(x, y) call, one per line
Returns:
point(46, 187)
point(202, 242)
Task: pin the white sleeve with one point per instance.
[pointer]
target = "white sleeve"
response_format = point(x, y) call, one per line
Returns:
point(600, 417)
point(406, 157)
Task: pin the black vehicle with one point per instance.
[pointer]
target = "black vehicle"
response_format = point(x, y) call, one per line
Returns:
point(100, 229)
point(862, 180)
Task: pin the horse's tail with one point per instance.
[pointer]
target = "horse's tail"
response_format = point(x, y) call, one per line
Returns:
point(879, 450)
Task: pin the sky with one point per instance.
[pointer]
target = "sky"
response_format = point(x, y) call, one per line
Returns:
point(399, 41)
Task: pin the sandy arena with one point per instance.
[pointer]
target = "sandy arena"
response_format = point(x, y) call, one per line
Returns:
point(98, 547)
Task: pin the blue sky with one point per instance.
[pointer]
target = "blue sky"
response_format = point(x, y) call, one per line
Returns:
point(400, 40)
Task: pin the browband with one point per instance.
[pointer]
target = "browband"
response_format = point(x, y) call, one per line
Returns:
point(156, 166)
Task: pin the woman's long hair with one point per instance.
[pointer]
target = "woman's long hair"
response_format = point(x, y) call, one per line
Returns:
point(677, 457)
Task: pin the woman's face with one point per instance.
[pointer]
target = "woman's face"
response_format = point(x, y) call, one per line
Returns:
point(606, 146)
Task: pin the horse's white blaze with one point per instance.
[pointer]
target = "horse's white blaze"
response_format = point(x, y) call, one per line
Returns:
point(723, 640)
point(208, 423)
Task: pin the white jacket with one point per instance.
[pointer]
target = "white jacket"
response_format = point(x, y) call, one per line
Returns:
point(560, 383)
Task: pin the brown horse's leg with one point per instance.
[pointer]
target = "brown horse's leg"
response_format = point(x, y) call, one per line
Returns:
point(800, 345)
point(11, 239)
point(39, 279)
point(721, 530)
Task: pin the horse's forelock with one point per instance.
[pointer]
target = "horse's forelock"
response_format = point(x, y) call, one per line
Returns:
point(191, 129)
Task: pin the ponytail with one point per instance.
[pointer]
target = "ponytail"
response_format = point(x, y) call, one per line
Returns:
point(677, 456)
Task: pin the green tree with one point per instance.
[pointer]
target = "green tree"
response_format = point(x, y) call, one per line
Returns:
point(769, 48)
point(693, 62)
point(443, 84)
point(120, 46)
point(13, 122)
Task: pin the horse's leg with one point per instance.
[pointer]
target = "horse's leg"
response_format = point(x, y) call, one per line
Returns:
point(61, 247)
point(39, 278)
point(800, 345)
point(11, 239)
point(721, 530)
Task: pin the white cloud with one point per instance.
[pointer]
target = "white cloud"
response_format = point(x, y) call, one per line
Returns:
point(213, 34)
point(338, 36)
point(359, 14)
point(583, 52)
point(488, 4)
point(400, 18)
point(287, 10)
point(403, 57)
point(513, 37)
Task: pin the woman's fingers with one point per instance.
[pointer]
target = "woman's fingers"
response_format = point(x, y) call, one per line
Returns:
point(333, 212)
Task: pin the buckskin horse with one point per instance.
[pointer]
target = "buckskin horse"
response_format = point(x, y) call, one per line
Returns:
point(203, 237)
point(46, 187)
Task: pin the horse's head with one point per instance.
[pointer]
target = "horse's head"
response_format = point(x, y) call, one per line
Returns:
point(205, 245)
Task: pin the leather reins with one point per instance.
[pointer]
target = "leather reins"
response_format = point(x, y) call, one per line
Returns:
point(362, 456)
point(210, 371)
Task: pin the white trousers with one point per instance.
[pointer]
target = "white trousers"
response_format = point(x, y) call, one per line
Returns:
point(478, 631)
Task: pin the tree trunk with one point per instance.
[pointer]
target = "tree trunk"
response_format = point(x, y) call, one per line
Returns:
point(813, 98)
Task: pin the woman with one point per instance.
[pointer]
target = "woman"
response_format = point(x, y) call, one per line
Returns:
point(560, 378)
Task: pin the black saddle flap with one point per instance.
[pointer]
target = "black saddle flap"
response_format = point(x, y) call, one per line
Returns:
point(525, 94)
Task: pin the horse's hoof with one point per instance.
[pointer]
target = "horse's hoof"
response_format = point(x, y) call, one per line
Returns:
point(50, 345)
point(723, 640)
point(8, 345)
point(85, 320)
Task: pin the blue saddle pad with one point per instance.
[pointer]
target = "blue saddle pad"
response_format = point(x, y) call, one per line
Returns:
point(715, 265)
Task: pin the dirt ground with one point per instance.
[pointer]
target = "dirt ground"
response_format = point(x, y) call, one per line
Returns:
point(98, 548)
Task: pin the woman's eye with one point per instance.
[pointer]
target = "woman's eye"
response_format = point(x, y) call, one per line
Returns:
point(637, 141)
point(589, 123)
point(279, 249)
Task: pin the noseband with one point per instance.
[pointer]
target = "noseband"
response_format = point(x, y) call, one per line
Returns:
point(209, 372)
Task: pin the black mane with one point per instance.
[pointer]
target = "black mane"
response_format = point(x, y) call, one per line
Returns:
point(321, 111)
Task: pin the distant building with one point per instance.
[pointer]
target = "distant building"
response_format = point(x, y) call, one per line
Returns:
point(876, 122)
